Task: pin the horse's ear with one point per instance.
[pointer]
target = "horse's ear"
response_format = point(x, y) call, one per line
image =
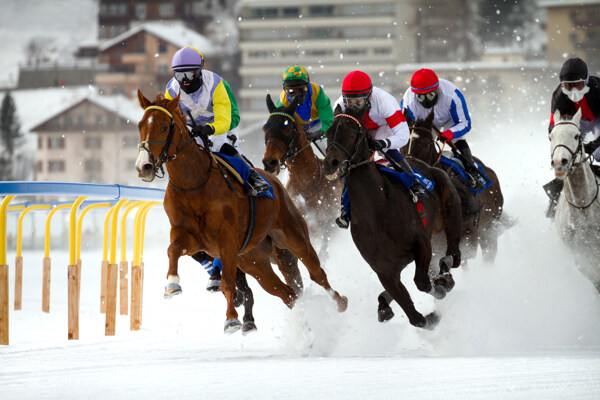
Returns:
point(407, 116)
point(291, 109)
point(577, 118)
point(430, 116)
point(556, 117)
point(144, 102)
point(338, 110)
point(174, 103)
point(270, 104)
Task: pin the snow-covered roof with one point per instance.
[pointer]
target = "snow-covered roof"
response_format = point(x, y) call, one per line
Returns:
point(477, 65)
point(37, 106)
point(565, 3)
point(173, 32)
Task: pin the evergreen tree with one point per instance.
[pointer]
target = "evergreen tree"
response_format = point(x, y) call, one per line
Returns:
point(10, 136)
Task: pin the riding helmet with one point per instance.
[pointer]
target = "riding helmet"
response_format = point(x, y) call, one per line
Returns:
point(574, 69)
point(188, 59)
point(424, 81)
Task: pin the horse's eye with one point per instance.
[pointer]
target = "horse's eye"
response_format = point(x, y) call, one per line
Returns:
point(163, 129)
point(577, 137)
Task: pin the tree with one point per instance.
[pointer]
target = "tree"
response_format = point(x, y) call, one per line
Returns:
point(10, 136)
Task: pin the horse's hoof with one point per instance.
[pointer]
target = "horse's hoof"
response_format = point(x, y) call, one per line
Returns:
point(431, 321)
point(342, 304)
point(232, 325)
point(437, 291)
point(213, 285)
point(172, 289)
point(384, 313)
point(446, 263)
point(444, 280)
point(248, 327)
point(239, 298)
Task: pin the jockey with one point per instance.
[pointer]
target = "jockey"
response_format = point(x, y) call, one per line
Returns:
point(451, 115)
point(314, 108)
point(210, 100)
point(388, 130)
point(577, 90)
point(212, 105)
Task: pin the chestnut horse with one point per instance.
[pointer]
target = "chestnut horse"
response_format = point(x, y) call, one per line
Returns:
point(315, 196)
point(388, 229)
point(208, 212)
point(480, 213)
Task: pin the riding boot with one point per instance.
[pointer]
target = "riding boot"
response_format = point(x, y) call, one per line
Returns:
point(417, 190)
point(477, 180)
point(256, 183)
point(214, 282)
point(553, 190)
point(343, 221)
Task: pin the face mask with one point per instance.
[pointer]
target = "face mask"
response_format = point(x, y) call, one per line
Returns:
point(574, 94)
point(427, 100)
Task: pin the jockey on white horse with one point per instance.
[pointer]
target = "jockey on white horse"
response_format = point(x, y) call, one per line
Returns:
point(577, 91)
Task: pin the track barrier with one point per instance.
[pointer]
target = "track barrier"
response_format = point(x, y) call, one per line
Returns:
point(113, 197)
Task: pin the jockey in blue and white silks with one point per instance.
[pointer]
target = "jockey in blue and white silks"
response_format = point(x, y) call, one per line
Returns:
point(451, 116)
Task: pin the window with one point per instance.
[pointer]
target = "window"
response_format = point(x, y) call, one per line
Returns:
point(140, 11)
point(291, 12)
point(382, 51)
point(56, 143)
point(319, 33)
point(39, 166)
point(258, 34)
point(320, 11)
point(162, 68)
point(92, 142)
point(265, 13)
point(92, 165)
point(166, 10)
point(40, 143)
point(56, 166)
point(162, 47)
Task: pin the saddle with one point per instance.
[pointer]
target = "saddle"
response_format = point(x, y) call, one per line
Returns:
point(447, 158)
point(240, 171)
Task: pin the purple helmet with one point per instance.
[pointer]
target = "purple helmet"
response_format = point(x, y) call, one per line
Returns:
point(187, 58)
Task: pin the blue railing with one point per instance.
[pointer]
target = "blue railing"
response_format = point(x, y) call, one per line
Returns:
point(115, 192)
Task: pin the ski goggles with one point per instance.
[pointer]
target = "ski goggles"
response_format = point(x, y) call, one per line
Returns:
point(570, 85)
point(296, 90)
point(187, 75)
point(421, 97)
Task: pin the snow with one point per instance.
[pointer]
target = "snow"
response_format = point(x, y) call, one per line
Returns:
point(525, 326)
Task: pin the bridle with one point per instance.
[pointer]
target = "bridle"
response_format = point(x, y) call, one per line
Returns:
point(573, 164)
point(349, 163)
point(164, 157)
point(291, 141)
point(433, 144)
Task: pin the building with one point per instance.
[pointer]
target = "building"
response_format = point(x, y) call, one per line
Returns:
point(573, 30)
point(328, 37)
point(140, 58)
point(89, 138)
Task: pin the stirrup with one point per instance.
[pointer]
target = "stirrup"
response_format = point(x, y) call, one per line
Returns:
point(256, 185)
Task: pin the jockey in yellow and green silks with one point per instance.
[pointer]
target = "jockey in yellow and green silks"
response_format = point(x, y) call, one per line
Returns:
point(314, 107)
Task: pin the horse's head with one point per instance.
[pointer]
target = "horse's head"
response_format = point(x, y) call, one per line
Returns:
point(566, 144)
point(422, 143)
point(346, 143)
point(281, 135)
point(157, 132)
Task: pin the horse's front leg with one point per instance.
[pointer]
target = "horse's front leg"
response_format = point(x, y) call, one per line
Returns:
point(177, 248)
point(229, 262)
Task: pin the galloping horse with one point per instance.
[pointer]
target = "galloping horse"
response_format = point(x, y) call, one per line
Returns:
point(315, 196)
point(389, 230)
point(480, 213)
point(578, 209)
point(208, 212)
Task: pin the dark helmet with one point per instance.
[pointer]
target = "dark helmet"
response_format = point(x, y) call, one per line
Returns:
point(187, 65)
point(357, 85)
point(574, 69)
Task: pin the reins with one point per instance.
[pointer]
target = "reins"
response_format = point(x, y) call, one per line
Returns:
point(432, 143)
point(291, 144)
point(348, 164)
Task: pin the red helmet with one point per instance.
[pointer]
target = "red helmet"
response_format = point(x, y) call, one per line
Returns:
point(424, 81)
point(356, 84)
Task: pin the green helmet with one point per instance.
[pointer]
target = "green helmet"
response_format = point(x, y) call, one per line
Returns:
point(294, 76)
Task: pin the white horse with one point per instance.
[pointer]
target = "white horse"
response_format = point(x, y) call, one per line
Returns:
point(578, 210)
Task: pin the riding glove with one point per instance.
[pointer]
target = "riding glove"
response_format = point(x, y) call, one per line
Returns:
point(377, 145)
point(203, 130)
point(446, 136)
point(316, 135)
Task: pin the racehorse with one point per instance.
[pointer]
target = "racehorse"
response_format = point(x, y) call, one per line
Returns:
point(578, 210)
point(208, 212)
point(481, 213)
point(315, 196)
point(389, 230)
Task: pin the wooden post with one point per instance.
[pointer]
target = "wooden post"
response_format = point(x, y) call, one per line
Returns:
point(46, 286)
point(136, 298)
point(123, 288)
point(74, 284)
point(103, 285)
point(4, 304)
point(18, 282)
point(111, 300)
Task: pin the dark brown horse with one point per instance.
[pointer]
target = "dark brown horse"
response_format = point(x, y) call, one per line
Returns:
point(287, 145)
point(387, 227)
point(480, 213)
point(208, 212)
